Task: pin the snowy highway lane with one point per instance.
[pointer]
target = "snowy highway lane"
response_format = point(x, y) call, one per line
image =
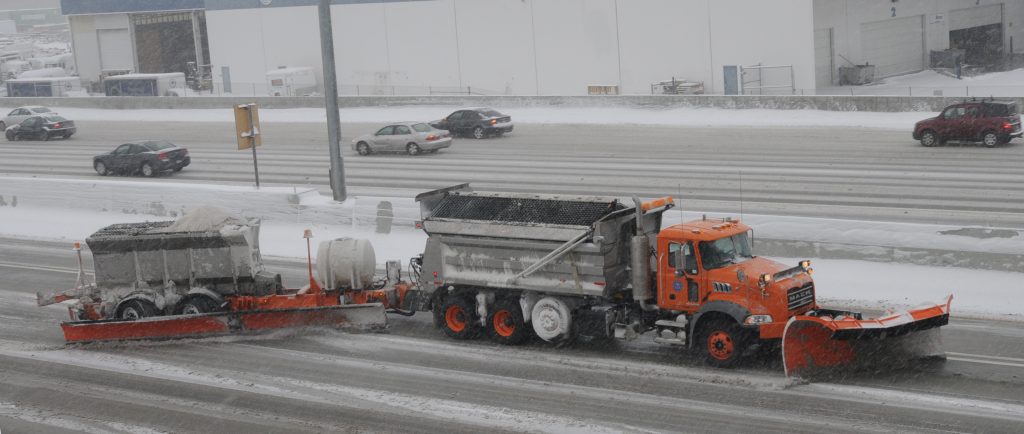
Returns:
point(412, 379)
point(837, 172)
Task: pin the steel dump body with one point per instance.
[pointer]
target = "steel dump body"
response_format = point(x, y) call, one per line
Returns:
point(224, 260)
point(489, 240)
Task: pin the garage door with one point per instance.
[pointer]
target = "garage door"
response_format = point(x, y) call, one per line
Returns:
point(823, 57)
point(975, 17)
point(115, 49)
point(894, 46)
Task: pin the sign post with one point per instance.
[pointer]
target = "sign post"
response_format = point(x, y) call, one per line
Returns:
point(247, 132)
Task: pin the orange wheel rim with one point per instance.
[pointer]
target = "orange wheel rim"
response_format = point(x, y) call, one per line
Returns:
point(455, 317)
point(720, 345)
point(503, 324)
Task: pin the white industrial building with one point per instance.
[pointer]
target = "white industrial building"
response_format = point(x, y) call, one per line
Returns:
point(556, 47)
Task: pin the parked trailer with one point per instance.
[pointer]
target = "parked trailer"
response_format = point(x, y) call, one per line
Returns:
point(292, 81)
point(43, 86)
point(163, 84)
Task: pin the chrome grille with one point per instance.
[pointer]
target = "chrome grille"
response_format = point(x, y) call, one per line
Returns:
point(721, 287)
point(800, 297)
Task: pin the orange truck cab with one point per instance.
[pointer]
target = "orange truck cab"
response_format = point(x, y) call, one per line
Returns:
point(730, 298)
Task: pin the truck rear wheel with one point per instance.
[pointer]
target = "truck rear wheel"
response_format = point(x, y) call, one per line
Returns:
point(136, 309)
point(197, 305)
point(458, 318)
point(723, 342)
point(506, 325)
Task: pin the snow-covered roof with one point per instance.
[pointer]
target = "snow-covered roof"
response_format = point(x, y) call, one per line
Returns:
point(43, 79)
point(146, 76)
point(290, 70)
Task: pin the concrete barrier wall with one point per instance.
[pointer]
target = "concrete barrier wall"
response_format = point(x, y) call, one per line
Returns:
point(830, 103)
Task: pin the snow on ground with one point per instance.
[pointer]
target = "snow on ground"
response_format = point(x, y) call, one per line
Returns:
point(925, 83)
point(852, 283)
point(689, 117)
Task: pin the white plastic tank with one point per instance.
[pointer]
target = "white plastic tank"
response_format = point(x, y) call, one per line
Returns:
point(346, 263)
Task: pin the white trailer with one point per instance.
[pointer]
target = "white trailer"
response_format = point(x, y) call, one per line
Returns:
point(292, 81)
point(43, 86)
point(163, 84)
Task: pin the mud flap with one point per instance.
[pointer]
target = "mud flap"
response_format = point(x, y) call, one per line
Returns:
point(368, 316)
point(831, 341)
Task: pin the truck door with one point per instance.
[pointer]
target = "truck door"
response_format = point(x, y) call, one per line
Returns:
point(678, 277)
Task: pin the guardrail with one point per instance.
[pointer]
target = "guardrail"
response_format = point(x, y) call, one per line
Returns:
point(774, 102)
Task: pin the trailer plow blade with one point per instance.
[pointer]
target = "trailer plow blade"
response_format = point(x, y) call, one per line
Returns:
point(368, 316)
point(831, 341)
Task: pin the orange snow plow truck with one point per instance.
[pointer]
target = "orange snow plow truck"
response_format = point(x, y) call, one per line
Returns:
point(516, 266)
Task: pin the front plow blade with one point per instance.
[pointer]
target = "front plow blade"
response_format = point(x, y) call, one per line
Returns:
point(368, 316)
point(830, 341)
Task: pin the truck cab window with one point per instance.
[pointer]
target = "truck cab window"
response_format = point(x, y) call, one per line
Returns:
point(682, 255)
point(725, 251)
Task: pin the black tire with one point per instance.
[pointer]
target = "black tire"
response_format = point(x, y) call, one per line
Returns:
point(363, 149)
point(101, 168)
point(505, 323)
point(196, 305)
point(458, 318)
point(136, 309)
point(722, 342)
point(10, 136)
point(479, 133)
point(44, 136)
point(412, 149)
point(147, 170)
point(990, 139)
point(929, 138)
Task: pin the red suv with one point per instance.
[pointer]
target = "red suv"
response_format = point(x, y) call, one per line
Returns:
point(989, 122)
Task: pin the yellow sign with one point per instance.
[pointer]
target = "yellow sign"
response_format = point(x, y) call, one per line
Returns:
point(247, 126)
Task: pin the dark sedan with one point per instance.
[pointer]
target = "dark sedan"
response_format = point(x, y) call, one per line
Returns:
point(479, 122)
point(146, 157)
point(44, 127)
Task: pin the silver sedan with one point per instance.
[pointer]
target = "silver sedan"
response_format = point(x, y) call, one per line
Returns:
point(409, 137)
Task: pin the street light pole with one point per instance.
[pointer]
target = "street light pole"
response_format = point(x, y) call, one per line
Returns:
point(337, 173)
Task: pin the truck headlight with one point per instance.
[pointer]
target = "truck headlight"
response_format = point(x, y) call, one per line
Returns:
point(757, 319)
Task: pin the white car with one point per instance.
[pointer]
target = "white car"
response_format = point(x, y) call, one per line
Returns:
point(19, 114)
point(409, 137)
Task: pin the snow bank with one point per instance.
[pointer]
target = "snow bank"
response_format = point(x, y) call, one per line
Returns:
point(691, 117)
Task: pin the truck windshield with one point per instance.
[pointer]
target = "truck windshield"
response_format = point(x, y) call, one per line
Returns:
point(725, 251)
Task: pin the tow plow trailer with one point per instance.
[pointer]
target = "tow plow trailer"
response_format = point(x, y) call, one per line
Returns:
point(198, 278)
point(829, 341)
point(286, 313)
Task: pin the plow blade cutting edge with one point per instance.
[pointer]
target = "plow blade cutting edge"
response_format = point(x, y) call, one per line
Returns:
point(368, 316)
point(831, 340)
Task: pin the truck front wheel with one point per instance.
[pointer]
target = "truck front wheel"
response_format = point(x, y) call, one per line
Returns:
point(722, 342)
point(457, 318)
point(506, 325)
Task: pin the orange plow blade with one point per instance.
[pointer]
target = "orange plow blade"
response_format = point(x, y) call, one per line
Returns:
point(358, 316)
point(828, 341)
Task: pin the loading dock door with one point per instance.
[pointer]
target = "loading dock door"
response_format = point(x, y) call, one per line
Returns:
point(979, 32)
point(894, 46)
point(823, 61)
point(115, 49)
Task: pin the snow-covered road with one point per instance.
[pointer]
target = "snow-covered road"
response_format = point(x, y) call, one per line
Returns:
point(412, 379)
